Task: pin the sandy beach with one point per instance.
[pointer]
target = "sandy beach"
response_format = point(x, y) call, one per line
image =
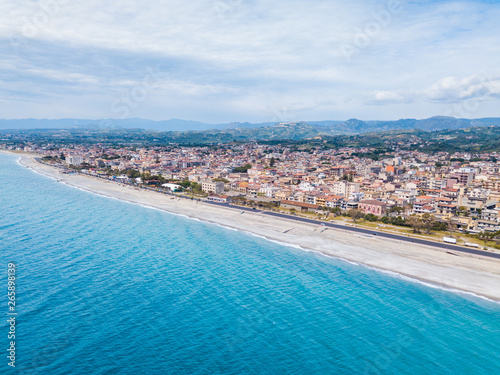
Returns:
point(467, 273)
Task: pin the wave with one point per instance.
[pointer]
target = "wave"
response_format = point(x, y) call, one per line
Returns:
point(429, 284)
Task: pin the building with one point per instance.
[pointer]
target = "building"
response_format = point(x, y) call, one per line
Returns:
point(345, 188)
point(487, 226)
point(464, 178)
point(172, 187)
point(370, 206)
point(74, 160)
point(490, 215)
point(212, 187)
point(219, 199)
point(299, 206)
point(334, 201)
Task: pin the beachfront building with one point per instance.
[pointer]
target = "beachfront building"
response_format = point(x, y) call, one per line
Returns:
point(299, 206)
point(219, 199)
point(212, 187)
point(172, 187)
point(487, 225)
point(75, 160)
point(370, 206)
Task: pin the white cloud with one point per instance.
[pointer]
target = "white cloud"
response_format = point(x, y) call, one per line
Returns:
point(384, 97)
point(249, 55)
point(452, 89)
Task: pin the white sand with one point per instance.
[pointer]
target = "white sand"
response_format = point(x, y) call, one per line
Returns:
point(469, 273)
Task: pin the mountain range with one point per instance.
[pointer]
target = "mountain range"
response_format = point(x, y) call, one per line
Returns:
point(351, 126)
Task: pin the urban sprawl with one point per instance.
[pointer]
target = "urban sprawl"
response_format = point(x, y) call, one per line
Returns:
point(457, 192)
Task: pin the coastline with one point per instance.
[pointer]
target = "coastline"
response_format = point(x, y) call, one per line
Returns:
point(464, 273)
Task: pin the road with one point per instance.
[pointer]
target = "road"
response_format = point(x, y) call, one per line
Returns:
point(445, 246)
point(369, 232)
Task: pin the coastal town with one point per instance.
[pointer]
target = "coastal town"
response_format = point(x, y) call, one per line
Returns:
point(449, 192)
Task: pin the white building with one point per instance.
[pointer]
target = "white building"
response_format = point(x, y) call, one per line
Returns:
point(74, 160)
point(478, 193)
point(356, 196)
point(213, 187)
point(269, 192)
point(306, 186)
point(345, 188)
point(172, 187)
point(407, 195)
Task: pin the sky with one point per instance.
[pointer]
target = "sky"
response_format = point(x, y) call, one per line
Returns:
point(220, 61)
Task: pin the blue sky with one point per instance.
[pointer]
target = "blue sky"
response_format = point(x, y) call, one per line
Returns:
point(249, 60)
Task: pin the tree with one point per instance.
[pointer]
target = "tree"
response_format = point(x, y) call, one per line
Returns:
point(196, 187)
point(85, 166)
point(133, 173)
point(440, 226)
point(337, 211)
point(396, 209)
point(185, 183)
point(221, 180)
point(272, 162)
point(243, 168)
point(428, 222)
point(371, 217)
point(415, 223)
point(483, 236)
point(239, 200)
point(356, 214)
point(399, 221)
point(451, 225)
point(385, 220)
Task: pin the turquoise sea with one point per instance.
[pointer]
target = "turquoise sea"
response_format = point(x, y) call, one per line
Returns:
point(108, 287)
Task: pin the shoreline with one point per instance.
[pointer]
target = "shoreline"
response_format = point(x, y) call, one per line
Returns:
point(464, 274)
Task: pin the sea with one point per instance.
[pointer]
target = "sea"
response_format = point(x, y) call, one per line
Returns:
point(104, 286)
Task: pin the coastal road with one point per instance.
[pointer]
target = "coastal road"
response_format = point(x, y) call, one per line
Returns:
point(367, 232)
point(362, 231)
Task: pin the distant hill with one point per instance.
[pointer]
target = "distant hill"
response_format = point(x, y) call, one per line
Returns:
point(134, 123)
point(354, 126)
point(475, 139)
point(351, 126)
